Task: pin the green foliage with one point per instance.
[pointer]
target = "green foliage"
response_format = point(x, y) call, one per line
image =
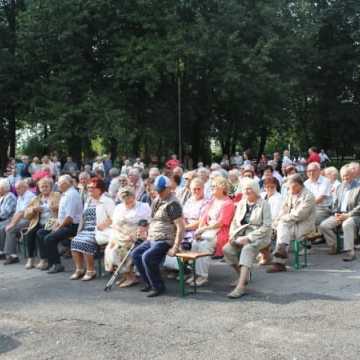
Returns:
point(257, 74)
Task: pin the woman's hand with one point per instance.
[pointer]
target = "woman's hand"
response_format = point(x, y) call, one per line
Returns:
point(198, 233)
point(172, 252)
point(101, 227)
point(242, 241)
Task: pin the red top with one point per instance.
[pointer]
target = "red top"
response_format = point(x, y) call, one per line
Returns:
point(314, 157)
point(225, 218)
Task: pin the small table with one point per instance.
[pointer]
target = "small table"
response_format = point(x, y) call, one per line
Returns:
point(182, 259)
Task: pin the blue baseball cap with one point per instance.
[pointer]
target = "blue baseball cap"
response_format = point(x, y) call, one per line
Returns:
point(161, 183)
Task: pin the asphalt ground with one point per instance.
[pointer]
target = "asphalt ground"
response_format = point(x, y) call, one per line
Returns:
point(313, 313)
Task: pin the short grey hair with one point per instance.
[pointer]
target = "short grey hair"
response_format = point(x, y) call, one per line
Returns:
point(134, 172)
point(5, 184)
point(154, 170)
point(203, 170)
point(315, 165)
point(84, 174)
point(252, 184)
point(331, 170)
point(22, 183)
point(113, 172)
point(66, 178)
point(345, 169)
point(295, 178)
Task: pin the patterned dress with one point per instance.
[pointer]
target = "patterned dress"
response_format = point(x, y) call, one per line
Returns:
point(84, 242)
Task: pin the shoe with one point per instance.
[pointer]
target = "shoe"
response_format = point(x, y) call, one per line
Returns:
point(30, 264)
point(155, 292)
point(146, 288)
point(89, 275)
point(349, 256)
point(56, 268)
point(332, 250)
point(237, 293)
point(190, 280)
point(11, 260)
point(281, 252)
point(79, 273)
point(200, 281)
point(275, 268)
point(2, 256)
point(42, 265)
point(128, 283)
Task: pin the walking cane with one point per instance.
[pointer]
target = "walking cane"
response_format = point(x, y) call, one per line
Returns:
point(116, 274)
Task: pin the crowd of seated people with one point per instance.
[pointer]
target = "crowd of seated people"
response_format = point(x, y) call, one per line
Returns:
point(231, 210)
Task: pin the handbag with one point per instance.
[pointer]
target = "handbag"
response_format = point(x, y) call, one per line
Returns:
point(102, 237)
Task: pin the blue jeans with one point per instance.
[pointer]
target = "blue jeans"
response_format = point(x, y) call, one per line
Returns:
point(147, 258)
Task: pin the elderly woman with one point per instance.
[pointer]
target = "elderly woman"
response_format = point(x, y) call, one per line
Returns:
point(41, 213)
point(250, 232)
point(7, 203)
point(116, 184)
point(95, 223)
point(124, 228)
point(192, 211)
point(234, 180)
point(213, 231)
point(332, 174)
point(136, 182)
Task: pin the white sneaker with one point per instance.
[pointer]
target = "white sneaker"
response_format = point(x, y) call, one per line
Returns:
point(30, 264)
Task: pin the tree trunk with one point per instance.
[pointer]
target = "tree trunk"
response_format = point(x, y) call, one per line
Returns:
point(12, 131)
point(263, 139)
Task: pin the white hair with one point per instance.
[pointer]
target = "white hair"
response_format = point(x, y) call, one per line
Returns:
point(234, 172)
point(154, 171)
point(134, 172)
point(203, 170)
point(66, 178)
point(250, 183)
point(5, 184)
point(84, 174)
point(346, 169)
point(315, 165)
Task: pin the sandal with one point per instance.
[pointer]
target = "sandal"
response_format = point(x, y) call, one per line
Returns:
point(79, 273)
point(128, 283)
point(89, 275)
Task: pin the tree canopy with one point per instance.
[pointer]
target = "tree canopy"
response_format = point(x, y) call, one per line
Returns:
point(251, 73)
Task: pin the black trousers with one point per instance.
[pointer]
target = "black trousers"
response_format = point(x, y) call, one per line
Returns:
point(51, 239)
point(30, 238)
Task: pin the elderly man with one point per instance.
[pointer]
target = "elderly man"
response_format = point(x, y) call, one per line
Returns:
point(70, 213)
point(204, 175)
point(154, 172)
point(355, 168)
point(9, 233)
point(320, 187)
point(296, 219)
point(84, 179)
point(165, 234)
point(346, 211)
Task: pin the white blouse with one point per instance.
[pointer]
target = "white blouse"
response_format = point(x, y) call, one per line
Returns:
point(125, 221)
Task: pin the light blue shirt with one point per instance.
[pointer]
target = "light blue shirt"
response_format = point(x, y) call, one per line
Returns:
point(24, 200)
point(70, 206)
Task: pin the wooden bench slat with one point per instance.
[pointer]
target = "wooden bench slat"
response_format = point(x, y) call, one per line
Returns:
point(192, 255)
